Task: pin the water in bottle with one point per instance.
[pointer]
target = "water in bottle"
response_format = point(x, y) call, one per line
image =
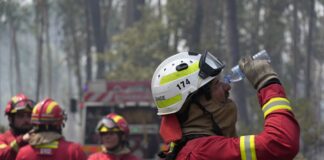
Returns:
point(236, 73)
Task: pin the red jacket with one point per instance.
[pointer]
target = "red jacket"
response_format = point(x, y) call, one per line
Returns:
point(9, 145)
point(56, 150)
point(105, 156)
point(278, 140)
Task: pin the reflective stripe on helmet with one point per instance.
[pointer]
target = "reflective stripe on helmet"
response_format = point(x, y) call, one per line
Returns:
point(176, 75)
point(116, 118)
point(50, 107)
point(168, 102)
point(247, 147)
point(275, 104)
point(35, 109)
point(15, 99)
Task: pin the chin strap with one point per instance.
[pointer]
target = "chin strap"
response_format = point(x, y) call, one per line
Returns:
point(216, 128)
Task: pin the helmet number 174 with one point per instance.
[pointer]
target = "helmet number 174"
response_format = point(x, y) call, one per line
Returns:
point(183, 84)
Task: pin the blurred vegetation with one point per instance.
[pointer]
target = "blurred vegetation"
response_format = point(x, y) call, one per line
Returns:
point(146, 37)
point(2, 129)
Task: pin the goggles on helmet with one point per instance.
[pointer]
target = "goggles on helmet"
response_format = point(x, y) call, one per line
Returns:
point(209, 65)
point(23, 105)
point(107, 125)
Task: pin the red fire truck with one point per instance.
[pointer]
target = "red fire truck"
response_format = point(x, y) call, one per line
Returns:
point(131, 99)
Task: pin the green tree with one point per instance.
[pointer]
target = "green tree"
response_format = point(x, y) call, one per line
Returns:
point(138, 50)
point(2, 129)
point(310, 49)
point(40, 30)
point(14, 16)
point(75, 36)
point(233, 38)
point(95, 11)
point(179, 13)
point(311, 129)
point(213, 35)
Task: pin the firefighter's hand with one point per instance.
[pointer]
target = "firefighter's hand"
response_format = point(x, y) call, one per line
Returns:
point(26, 137)
point(258, 72)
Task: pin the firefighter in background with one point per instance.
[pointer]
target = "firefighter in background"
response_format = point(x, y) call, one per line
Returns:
point(113, 130)
point(18, 111)
point(46, 141)
point(198, 118)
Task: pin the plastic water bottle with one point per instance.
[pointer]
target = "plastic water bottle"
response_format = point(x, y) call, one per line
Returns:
point(236, 74)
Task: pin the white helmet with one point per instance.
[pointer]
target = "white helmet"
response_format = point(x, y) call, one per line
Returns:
point(180, 75)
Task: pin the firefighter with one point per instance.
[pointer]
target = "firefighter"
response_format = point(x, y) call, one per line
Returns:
point(198, 118)
point(46, 140)
point(113, 131)
point(18, 111)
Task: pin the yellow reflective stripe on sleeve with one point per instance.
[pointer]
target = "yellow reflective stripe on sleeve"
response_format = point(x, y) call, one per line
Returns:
point(247, 147)
point(176, 75)
point(3, 146)
point(14, 145)
point(275, 104)
point(252, 145)
point(274, 100)
point(51, 145)
point(242, 148)
point(169, 102)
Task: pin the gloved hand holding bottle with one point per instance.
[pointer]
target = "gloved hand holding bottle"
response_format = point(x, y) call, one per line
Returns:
point(259, 72)
point(236, 73)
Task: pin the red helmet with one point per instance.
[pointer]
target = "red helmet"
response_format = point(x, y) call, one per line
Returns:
point(113, 123)
point(48, 112)
point(19, 102)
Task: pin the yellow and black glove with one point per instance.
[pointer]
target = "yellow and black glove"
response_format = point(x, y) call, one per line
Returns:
point(258, 72)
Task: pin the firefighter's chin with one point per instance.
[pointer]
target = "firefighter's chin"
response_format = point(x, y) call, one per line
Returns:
point(110, 142)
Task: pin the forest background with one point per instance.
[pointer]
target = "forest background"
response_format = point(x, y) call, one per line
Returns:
point(53, 48)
